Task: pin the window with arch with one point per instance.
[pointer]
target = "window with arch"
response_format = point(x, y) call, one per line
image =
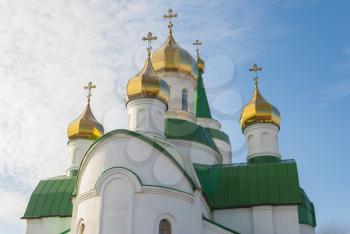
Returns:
point(164, 227)
point(81, 228)
point(184, 100)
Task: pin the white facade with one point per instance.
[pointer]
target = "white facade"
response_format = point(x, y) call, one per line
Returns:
point(77, 149)
point(147, 115)
point(262, 140)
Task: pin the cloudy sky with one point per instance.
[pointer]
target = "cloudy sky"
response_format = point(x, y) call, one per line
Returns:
point(49, 49)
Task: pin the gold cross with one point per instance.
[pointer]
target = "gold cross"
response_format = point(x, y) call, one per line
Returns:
point(90, 86)
point(170, 17)
point(149, 38)
point(196, 45)
point(255, 68)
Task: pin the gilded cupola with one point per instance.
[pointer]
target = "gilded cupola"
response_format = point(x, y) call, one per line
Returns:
point(171, 57)
point(147, 84)
point(85, 126)
point(258, 110)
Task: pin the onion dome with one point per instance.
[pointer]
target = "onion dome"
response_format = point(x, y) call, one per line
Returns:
point(171, 57)
point(258, 110)
point(147, 84)
point(85, 126)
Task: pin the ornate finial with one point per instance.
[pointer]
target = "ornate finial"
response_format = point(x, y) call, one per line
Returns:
point(90, 86)
point(170, 17)
point(149, 38)
point(196, 45)
point(255, 68)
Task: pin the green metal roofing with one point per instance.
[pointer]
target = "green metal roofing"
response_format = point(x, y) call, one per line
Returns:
point(201, 106)
point(219, 135)
point(245, 185)
point(185, 130)
point(52, 198)
point(306, 210)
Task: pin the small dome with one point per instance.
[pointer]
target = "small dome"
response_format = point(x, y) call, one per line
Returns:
point(258, 110)
point(147, 84)
point(171, 57)
point(85, 126)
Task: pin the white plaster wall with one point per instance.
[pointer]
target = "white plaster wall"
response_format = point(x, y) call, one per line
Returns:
point(262, 139)
point(147, 115)
point(260, 219)
point(225, 150)
point(285, 219)
point(240, 220)
point(52, 225)
point(177, 82)
point(209, 123)
point(306, 229)
point(209, 228)
point(77, 149)
point(87, 210)
point(198, 153)
point(129, 152)
point(153, 206)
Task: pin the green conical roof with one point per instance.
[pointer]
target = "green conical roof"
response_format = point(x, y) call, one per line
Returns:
point(201, 106)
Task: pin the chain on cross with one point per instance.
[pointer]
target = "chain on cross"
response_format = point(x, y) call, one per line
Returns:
point(90, 86)
point(196, 45)
point(170, 17)
point(255, 68)
point(149, 38)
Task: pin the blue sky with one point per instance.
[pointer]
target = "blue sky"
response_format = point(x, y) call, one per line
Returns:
point(50, 49)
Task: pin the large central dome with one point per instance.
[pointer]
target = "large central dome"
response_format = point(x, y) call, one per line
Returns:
point(171, 57)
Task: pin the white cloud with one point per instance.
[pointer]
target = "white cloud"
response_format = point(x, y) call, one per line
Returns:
point(51, 48)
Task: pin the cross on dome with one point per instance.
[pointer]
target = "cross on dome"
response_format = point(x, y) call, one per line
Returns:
point(149, 38)
point(170, 17)
point(196, 45)
point(90, 86)
point(255, 68)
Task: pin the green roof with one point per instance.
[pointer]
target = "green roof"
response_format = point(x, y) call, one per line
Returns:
point(219, 135)
point(306, 210)
point(246, 185)
point(52, 198)
point(185, 130)
point(201, 106)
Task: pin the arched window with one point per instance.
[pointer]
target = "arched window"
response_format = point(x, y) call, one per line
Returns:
point(164, 227)
point(81, 228)
point(184, 99)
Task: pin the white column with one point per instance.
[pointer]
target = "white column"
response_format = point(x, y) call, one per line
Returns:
point(77, 149)
point(177, 83)
point(262, 140)
point(263, 220)
point(147, 115)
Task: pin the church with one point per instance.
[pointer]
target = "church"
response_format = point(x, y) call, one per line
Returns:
point(171, 171)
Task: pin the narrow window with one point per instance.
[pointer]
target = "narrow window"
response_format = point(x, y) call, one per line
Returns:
point(81, 229)
point(164, 227)
point(184, 100)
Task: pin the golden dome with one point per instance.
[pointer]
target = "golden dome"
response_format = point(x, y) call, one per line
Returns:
point(147, 84)
point(200, 64)
point(258, 110)
point(85, 126)
point(171, 57)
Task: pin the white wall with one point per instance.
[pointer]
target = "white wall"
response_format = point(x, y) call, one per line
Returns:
point(262, 139)
point(52, 225)
point(306, 229)
point(177, 82)
point(77, 149)
point(260, 219)
point(198, 153)
point(147, 115)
